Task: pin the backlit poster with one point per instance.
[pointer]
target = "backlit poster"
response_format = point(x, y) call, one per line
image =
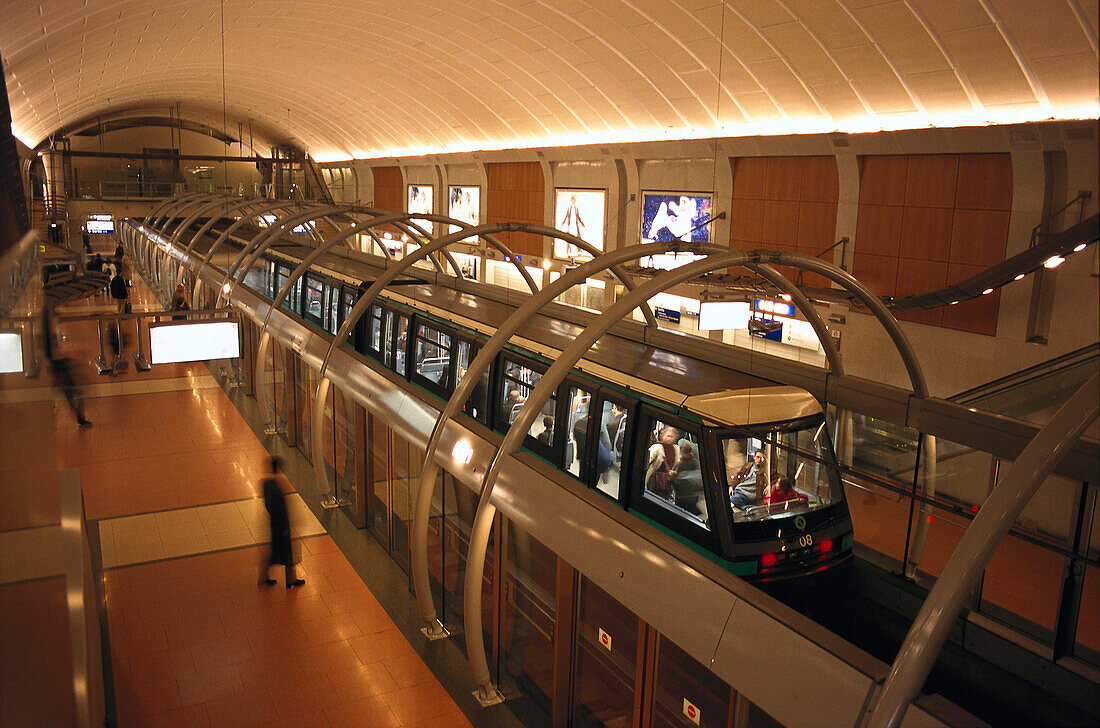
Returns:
point(420, 201)
point(675, 216)
point(580, 213)
point(464, 203)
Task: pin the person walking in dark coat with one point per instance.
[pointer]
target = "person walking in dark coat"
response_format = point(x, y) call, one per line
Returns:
point(281, 552)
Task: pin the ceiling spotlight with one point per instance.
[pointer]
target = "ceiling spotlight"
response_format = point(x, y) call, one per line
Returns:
point(226, 288)
point(953, 303)
point(786, 296)
point(546, 264)
point(987, 291)
point(1019, 277)
point(1054, 261)
point(1079, 247)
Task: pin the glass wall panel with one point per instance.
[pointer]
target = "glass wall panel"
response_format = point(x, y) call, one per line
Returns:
point(1088, 617)
point(1024, 581)
point(528, 616)
point(461, 503)
point(306, 387)
point(405, 473)
point(685, 692)
point(606, 660)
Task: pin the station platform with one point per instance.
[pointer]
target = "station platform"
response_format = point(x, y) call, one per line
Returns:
point(170, 472)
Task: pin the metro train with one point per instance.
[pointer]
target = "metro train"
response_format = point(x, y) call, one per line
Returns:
point(668, 437)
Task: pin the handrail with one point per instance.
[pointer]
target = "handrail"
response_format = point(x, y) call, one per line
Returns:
point(1081, 197)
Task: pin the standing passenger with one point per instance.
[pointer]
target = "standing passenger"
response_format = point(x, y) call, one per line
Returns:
point(281, 551)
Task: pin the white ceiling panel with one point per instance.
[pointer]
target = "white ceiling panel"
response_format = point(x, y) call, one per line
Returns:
point(389, 77)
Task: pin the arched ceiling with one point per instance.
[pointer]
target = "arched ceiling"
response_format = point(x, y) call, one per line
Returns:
point(373, 78)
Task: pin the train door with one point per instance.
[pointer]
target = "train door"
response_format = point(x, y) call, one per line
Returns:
point(519, 377)
point(615, 420)
point(432, 357)
point(477, 405)
point(315, 304)
point(378, 488)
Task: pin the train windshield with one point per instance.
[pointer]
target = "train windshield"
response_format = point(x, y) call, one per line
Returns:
point(780, 471)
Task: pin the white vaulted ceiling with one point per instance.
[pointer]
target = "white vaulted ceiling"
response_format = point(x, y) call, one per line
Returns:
point(370, 78)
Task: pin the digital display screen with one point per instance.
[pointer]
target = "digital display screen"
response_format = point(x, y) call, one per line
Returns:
point(11, 353)
point(179, 342)
point(420, 200)
point(675, 216)
point(580, 213)
point(723, 315)
point(464, 203)
point(100, 223)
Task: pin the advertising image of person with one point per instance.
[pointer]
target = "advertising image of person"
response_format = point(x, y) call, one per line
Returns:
point(571, 222)
point(673, 220)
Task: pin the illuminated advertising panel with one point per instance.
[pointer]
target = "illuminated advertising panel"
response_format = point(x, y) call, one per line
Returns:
point(723, 315)
point(420, 201)
point(580, 213)
point(464, 203)
point(179, 342)
point(11, 352)
point(675, 216)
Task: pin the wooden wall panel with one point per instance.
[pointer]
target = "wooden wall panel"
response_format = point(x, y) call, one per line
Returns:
point(926, 233)
point(878, 229)
point(930, 180)
point(389, 189)
point(746, 220)
point(979, 237)
point(985, 182)
point(955, 211)
point(816, 226)
point(820, 181)
point(783, 178)
point(780, 223)
point(878, 272)
point(882, 180)
point(749, 174)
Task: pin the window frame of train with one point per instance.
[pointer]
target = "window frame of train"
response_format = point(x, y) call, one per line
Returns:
point(320, 283)
point(503, 420)
point(606, 395)
point(293, 302)
point(263, 274)
point(669, 516)
point(349, 296)
point(815, 517)
point(587, 452)
point(422, 328)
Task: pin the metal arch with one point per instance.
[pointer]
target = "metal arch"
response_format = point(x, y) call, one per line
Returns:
point(967, 562)
point(483, 518)
point(482, 524)
point(172, 206)
point(481, 363)
point(280, 205)
point(251, 252)
point(298, 272)
point(164, 204)
point(180, 211)
point(391, 274)
point(212, 221)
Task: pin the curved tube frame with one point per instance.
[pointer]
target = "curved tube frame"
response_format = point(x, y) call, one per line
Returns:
point(483, 519)
point(968, 561)
point(174, 204)
point(185, 220)
point(156, 212)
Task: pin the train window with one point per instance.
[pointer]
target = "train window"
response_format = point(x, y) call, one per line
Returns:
point(375, 335)
point(614, 423)
point(258, 278)
point(315, 299)
point(333, 317)
point(576, 435)
point(387, 338)
point(432, 355)
point(476, 405)
point(296, 297)
point(518, 382)
point(672, 471)
point(781, 472)
point(282, 274)
point(401, 345)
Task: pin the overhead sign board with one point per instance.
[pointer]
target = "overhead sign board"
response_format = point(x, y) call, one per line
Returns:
point(11, 352)
point(179, 342)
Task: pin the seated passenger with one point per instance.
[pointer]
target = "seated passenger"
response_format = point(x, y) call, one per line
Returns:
point(662, 458)
point(744, 486)
point(512, 404)
point(687, 480)
point(547, 430)
point(783, 491)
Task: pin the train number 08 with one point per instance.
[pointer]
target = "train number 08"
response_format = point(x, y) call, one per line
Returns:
point(807, 540)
